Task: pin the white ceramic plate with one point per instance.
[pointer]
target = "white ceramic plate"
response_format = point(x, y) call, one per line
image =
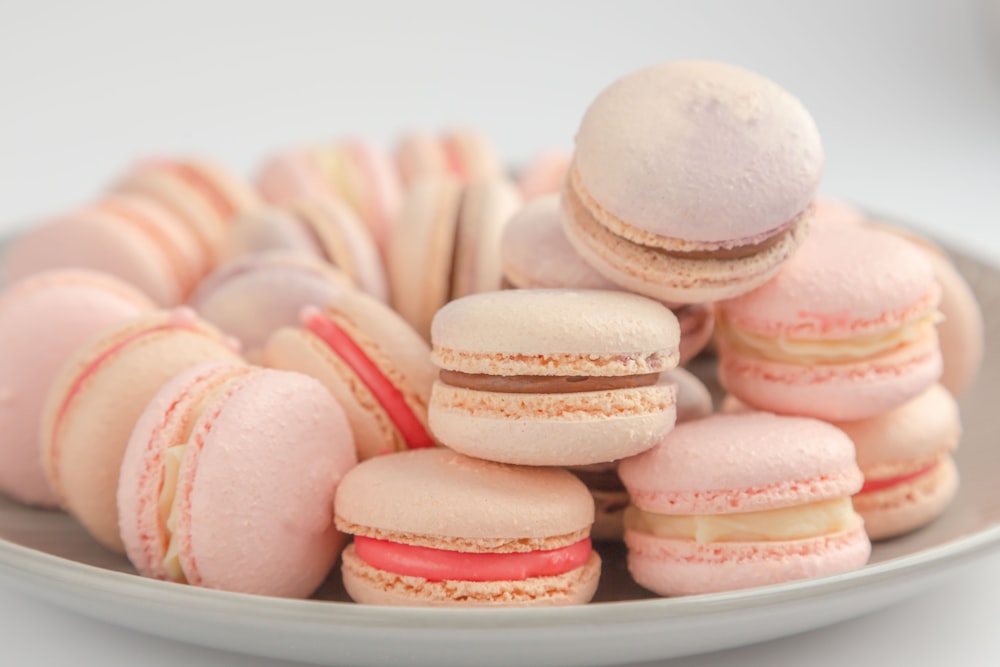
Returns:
point(48, 555)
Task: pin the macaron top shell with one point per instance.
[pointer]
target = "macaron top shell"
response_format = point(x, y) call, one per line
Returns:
point(555, 332)
point(440, 493)
point(742, 463)
point(699, 151)
point(844, 282)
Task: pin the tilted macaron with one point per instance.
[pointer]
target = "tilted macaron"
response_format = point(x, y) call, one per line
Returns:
point(371, 360)
point(352, 171)
point(228, 481)
point(97, 398)
point(553, 377)
point(323, 228)
point(734, 501)
point(610, 495)
point(129, 236)
point(254, 296)
point(535, 253)
point(463, 154)
point(692, 181)
point(43, 320)
point(544, 174)
point(204, 195)
point(905, 455)
point(445, 244)
point(845, 331)
point(435, 528)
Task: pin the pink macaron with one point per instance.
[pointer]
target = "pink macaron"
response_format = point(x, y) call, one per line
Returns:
point(228, 481)
point(553, 377)
point(436, 528)
point(43, 320)
point(735, 501)
point(544, 174)
point(97, 398)
point(371, 360)
point(845, 331)
point(351, 171)
point(254, 296)
point(535, 253)
point(692, 181)
point(464, 154)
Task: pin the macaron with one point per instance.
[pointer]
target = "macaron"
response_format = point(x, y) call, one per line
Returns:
point(129, 236)
point(736, 501)
point(610, 496)
point(553, 377)
point(204, 195)
point(535, 253)
point(43, 319)
point(544, 174)
point(254, 296)
point(445, 244)
point(905, 455)
point(371, 360)
point(435, 528)
point(323, 228)
point(352, 171)
point(464, 154)
point(692, 181)
point(228, 481)
point(845, 331)
point(97, 398)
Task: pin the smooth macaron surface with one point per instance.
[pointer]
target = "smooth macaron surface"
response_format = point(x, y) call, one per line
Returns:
point(43, 320)
point(97, 398)
point(228, 481)
point(421, 503)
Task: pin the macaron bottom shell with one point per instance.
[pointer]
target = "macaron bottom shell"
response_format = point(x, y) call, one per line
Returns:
point(368, 585)
point(672, 567)
point(902, 508)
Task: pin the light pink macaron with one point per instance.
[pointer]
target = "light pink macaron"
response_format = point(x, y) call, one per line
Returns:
point(43, 320)
point(535, 253)
point(435, 528)
point(97, 398)
point(254, 296)
point(544, 174)
point(735, 501)
point(228, 481)
point(846, 331)
point(692, 181)
point(464, 154)
point(351, 171)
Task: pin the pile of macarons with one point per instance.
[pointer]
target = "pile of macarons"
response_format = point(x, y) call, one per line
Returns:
point(445, 382)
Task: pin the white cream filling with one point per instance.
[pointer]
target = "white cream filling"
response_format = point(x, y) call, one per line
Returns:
point(806, 351)
point(168, 509)
point(788, 523)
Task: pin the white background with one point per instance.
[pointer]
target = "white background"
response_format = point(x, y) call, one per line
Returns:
point(905, 93)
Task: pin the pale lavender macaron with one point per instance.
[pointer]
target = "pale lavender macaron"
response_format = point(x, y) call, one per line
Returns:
point(253, 296)
point(43, 319)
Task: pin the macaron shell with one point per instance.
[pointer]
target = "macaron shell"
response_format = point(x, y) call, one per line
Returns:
point(380, 193)
point(552, 429)
point(267, 228)
point(368, 585)
point(742, 463)
point(684, 567)
point(724, 153)
point(43, 320)
point(697, 323)
point(442, 494)
point(273, 533)
point(544, 174)
point(694, 401)
point(82, 458)
point(487, 206)
point(905, 507)
point(289, 176)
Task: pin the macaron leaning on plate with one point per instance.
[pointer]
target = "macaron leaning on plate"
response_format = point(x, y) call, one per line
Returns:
point(371, 360)
point(436, 528)
point(847, 330)
point(553, 377)
point(228, 481)
point(97, 398)
point(692, 181)
point(735, 501)
point(43, 320)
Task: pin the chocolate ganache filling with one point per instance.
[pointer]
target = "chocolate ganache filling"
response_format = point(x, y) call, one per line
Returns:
point(545, 384)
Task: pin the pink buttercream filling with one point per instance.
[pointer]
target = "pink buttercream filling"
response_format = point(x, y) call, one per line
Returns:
point(440, 565)
point(873, 485)
point(385, 392)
